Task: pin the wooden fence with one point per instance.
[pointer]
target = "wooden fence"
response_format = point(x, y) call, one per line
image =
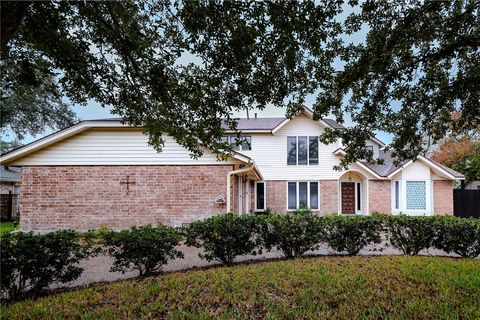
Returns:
point(466, 203)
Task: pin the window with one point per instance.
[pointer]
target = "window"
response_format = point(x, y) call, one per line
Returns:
point(302, 194)
point(302, 150)
point(397, 194)
point(369, 148)
point(359, 197)
point(313, 150)
point(242, 143)
point(416, 195)
point(260, 196)
point(292, 150)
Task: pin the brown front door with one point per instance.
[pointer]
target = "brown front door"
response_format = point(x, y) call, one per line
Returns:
point(348, 197)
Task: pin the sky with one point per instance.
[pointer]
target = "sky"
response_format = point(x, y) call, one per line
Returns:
point(93, 110)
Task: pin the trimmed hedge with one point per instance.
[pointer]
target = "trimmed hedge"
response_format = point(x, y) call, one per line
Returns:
point(293, 234)
point(459, 235)
point(224, 237)
point(411, 234)
point(145, 249)
point(31, 262)
point(352, 234)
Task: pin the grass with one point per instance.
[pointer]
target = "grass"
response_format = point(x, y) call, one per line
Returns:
point(6, 227)
point(388, 287)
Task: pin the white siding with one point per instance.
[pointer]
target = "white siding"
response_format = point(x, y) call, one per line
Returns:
point(270, 154)
point(114, 147)
point(416, 171)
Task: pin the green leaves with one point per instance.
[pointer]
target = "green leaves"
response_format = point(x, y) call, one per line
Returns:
point(293, 234)
point(223, 237)
point(145, 249)
point(461, 236)
point(30, 263)
point(352, 234)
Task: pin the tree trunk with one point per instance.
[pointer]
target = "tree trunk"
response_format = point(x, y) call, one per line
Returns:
point(12, 14)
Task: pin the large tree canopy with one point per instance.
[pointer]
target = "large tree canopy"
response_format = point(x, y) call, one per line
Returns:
point(420, 61)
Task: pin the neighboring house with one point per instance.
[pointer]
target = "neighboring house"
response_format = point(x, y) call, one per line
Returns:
point(102, 172)
point(474, 185)
point(10, 181)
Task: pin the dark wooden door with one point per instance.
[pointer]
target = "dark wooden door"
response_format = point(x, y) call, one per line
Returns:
point(348, 197)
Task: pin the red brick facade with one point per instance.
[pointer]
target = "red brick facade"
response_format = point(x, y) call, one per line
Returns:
point(328, 196)
point(379, 196)
point(442, 197)
point(85, 197)
point(277, 195)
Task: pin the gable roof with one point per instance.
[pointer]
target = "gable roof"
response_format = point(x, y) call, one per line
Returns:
point(389, 168)
point(75, 129)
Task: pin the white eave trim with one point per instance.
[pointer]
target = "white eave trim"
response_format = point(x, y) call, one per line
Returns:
point(432, 164)
point(429, 163)
point(341, 152)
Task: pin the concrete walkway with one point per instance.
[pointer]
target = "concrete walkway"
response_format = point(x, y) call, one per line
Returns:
point(97, 269)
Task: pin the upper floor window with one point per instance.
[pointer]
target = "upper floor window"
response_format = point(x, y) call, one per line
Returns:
point(302, 150)
point(369, 148)
point(242, 143)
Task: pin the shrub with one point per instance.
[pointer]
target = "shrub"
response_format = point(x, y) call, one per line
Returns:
point(411, 234)
point(145, 248)
point(293, 234)
point(223, 237)
point(30, 262)
point(352, 234)
point(459, 235)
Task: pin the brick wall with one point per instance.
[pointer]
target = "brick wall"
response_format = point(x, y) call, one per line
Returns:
point(84, 197)
point(328, 196)
point(442, 197)
point(379, 196)
point(277, 195)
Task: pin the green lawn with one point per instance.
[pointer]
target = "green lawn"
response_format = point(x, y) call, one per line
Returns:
point(324, 287)
point(6, 227)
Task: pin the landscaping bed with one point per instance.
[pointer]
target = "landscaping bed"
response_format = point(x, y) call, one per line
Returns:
point(323, 287)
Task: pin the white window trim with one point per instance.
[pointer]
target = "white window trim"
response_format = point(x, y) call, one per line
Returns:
point(308, 194)
point(403, 198)
point(308, 151)
point(264, 196)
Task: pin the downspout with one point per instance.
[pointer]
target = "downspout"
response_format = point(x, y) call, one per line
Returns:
point(229, 175)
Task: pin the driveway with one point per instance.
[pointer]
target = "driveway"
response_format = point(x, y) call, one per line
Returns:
point(97, 269)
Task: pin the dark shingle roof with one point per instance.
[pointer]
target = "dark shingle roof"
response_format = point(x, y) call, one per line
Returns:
point(254, 123)
point(11, 174)
point(257, 123)
point(334, 124)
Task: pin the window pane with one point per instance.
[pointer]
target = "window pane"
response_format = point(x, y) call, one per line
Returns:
point(302, 150)
point(234, 143)
point(247, 143)
point(416, 195)
point(292, 195)
point(302, 194)
point(260, 196)
point(224, 139)
point(313, 150)
point(313, 195)
point(292, 150)
point(397, 194)
point(359, 197)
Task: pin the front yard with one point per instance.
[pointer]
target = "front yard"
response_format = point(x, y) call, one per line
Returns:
point(6, 227)
point(395, 287)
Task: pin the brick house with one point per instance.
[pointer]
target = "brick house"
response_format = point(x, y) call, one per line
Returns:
point(102, 172)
